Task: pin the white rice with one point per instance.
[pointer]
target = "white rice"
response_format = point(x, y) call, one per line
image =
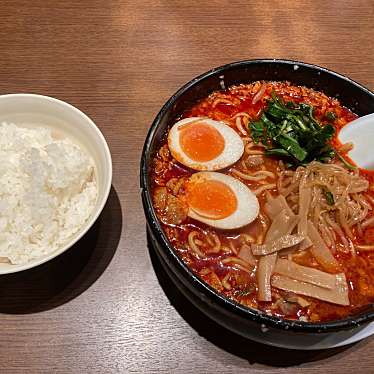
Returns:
point(47, 192)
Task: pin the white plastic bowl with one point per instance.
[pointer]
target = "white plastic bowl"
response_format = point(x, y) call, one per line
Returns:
point(64, 118)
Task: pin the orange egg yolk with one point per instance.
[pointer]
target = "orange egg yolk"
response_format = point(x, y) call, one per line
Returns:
point(200, 141)
point(211, 199)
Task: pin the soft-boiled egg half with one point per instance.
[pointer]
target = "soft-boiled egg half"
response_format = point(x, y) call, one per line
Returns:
point(204, 144)
point(220, 200)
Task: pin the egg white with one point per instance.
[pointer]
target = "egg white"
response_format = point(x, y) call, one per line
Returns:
point(247, 203)
point(233, 148)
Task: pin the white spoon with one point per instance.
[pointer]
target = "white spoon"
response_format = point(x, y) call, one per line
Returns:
point(360, 132)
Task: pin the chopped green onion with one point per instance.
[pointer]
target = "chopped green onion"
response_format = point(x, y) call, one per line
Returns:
point(345, 162)
point(246, 291)
point(277, 152)
point(290, 131)
point(329, 198)
point(331, 116)
point(292, 147)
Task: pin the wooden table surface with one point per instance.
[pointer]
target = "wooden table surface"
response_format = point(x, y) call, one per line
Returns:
point(105, 306)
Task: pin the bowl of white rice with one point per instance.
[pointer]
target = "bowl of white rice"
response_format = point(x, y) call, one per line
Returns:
point(55, 178)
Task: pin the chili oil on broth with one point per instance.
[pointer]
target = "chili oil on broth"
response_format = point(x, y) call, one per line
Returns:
point(212, 253)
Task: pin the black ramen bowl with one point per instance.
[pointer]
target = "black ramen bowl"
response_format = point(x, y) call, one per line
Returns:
point(245, 321)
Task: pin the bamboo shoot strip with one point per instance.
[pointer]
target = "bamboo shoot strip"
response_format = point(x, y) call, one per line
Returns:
point(305, 274)
point(337, 295)
point(321, 252)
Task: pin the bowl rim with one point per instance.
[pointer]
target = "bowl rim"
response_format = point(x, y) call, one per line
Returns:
point(198, 284)
point(108, 182)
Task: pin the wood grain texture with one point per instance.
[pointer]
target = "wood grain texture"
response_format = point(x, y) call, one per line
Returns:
point(100, 307)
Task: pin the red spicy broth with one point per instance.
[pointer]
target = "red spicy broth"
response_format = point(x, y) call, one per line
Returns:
point(209, 251)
